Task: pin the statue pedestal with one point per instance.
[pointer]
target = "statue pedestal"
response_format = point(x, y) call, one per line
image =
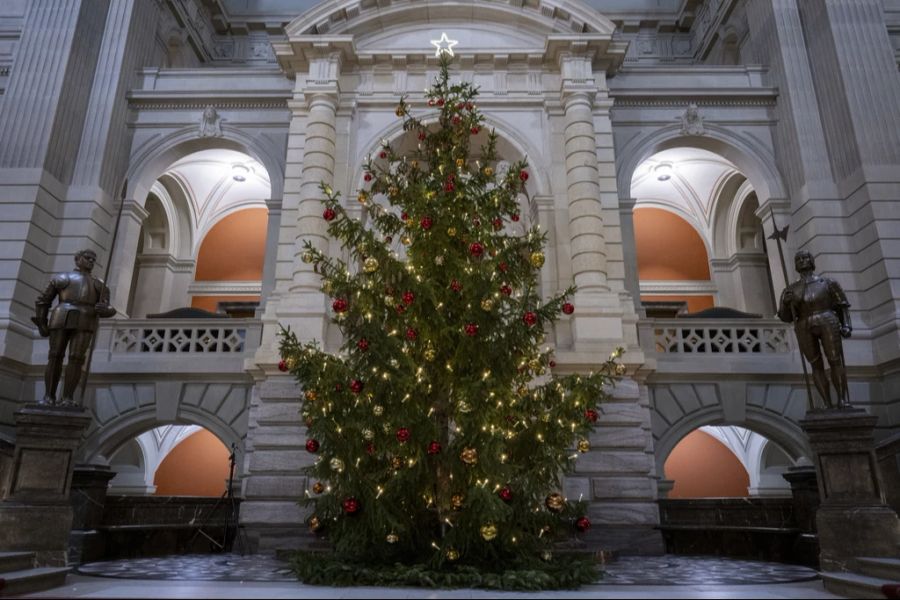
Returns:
point(853, 519)
point(36, 516)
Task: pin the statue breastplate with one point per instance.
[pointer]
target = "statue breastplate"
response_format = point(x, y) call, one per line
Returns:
point(77, 301)
point(816, 297)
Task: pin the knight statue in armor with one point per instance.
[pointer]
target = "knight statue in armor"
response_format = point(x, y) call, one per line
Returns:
point(818, 308)
point(72, 323)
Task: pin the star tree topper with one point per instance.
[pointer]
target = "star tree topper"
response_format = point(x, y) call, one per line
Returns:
point(444, 45)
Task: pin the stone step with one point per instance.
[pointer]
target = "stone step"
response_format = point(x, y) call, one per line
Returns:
point(16, 583)
point(884, 568)
point(854, 585)
point(16, 561)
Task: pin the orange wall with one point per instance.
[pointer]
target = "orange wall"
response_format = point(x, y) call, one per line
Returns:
point(235, 248)
point(694, 303)
point(668, 248)
point(702, 467)
point(210, 303)
point(198, 466)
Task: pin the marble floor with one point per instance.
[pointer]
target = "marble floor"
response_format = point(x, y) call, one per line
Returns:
point(233, 576)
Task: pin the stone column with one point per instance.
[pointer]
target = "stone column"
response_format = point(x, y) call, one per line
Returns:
point(853, 519)
point(772, 212)
point(629, 251)
point(37, 516)
point(121, 272)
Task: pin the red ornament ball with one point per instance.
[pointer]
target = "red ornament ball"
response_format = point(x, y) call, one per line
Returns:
point(456, 120)
point(449, 187)
point(367, 177)
point(455, 286)
point(583, 524)
point(505, 290)
point(403, 435)
point(312, 446)
point(440, 101)
point(426, 223)
point(431, 102)
point(351, 505)
point(422, 134)
point(505, 494)
point(339, 305)
point(404, 216)
point(338, 387)
point(401, 309)
point(591, 415)
point(408, 298)
point(382, 154)
point(356, 386)
point(460, 105)
point(515, 217)
point(411, 334)
point(329, 214)
point(497, 223)
point(530, 318)
point(362, 344)
point(370, 448)
point(469, 106)
point(503, 266)
point(474, 130)
point(476, 249)
point(282, 366)
point(434, 448)
point(471, 329)
point(523, 175)
point(568, 308)
point(551, 364)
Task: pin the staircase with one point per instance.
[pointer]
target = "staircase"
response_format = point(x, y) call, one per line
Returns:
point(18, 575)
point(875, 578)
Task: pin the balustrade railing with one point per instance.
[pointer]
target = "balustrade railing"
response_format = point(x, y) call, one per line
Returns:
point(717, 336)
point(181, 336)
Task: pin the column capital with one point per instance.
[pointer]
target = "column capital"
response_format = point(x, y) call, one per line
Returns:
point(767, 206)
point(134, 210)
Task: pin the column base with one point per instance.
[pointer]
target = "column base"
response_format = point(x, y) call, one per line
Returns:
point(849, 532)
point(42, 529)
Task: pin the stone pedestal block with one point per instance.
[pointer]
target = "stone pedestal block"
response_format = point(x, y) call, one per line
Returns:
point(853, 519)
point(36, 515)
point(88, 499)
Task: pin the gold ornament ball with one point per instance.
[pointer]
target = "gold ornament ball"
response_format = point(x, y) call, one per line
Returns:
point(456, 501)
point(414, 164)
point(389, 300)
point(430, 194)
point(452, 554)
point(488, 532)
point(487, 304)
point(368, 434)
point(439, 260)
point(393, 191)
point(314, 524)
point(464, 407)
point(362, 197)
point(311, 395)
point(318, 487)
point(547, 555)
point(460, 163)
point(620, 369)
point(534, 364)
point(430, 354)
point(396, 463)
point(405, 240)
point(327, 287)
point(522, 391)
point(555, 502)
point(400, 110)
point(452, 232)
point(584, 446)
point(308, 257)
point(337, 465)
point(469, 456)
point(537, 259)
point(392, 538)
point(489, 171)
point(377, 410)
point(386, 427)
point(370, 265)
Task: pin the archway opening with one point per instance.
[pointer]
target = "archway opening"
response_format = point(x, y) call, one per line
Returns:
point(726, 462)
point(203, 242)
point(172, 460)
point(698, 240)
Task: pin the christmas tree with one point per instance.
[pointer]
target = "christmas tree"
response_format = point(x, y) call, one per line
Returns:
point(439, 430)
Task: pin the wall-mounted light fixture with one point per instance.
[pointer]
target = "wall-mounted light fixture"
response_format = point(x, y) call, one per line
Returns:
point(239, 172)
point(663, 171)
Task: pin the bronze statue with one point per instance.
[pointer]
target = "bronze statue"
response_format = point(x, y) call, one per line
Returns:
point(818, 308)
point(83, 300)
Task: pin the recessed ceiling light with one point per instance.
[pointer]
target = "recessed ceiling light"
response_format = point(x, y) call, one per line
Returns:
point(239, 172)
point(663, 171)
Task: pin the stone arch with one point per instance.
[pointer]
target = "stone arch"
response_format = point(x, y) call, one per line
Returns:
point(151, 160)
point(122, 412)
point(756, 162)
point(346, 16)
point(672, 422)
